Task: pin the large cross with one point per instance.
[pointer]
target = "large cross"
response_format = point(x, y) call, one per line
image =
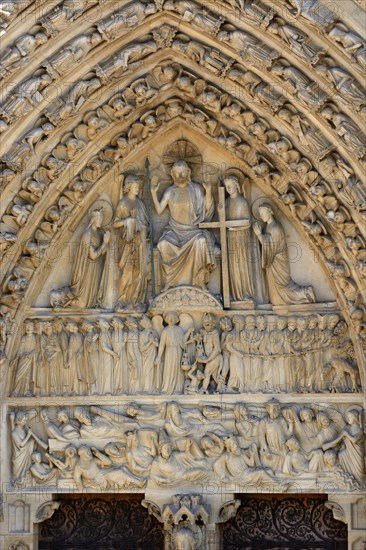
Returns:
point(223, 224)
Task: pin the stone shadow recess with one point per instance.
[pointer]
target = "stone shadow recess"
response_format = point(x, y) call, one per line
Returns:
point(284, 522)
point(101, 522)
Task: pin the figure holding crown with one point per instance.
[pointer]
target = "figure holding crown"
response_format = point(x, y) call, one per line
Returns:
point(88, 268)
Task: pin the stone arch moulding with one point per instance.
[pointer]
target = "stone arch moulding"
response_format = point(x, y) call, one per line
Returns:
point(88, 89)
point(355, 243)
point(256, 155)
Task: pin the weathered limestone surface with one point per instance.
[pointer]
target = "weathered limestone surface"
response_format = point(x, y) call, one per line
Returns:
point(183, 262)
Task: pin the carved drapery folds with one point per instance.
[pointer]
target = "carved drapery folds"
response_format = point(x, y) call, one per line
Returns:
point(132, 15)
point(269, 445)
point(178, 152)
point(170, 354)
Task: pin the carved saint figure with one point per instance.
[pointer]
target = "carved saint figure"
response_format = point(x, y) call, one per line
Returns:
point(275, 259)
point(239, 253)
point(43, 473)
point(26, 362)
point(186, 251)
point(88, 268)
point(24, 443)
point(273, 432)
point(172, 344)
point(351, 454)
point(148, 344)
point(132, 219)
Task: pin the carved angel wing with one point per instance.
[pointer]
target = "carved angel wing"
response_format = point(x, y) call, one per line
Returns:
point(186, 322)
point(158, 324)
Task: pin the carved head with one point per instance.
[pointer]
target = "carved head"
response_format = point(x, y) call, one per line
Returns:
point(47, 327)
point(96, 218)
point(146, 322)
point(250, 322)
point(184, 539)
point(83, 416)
point(116, 322)
point(333, 321)
point(312, 323)
point(165, 450)
point(208, 321)
point(70, 451)
point(330, 459)
point(171, 318)
point(240, 411)
point(21, 418)
point(281, 322)
point(273, 408)
point(36, 457)
point(85, 452)
point(226, 324)
point(292, 444)
point(95, 38)
point(306, 414)
point(265, 212)
point(302, 323)
point(71, 327)
point(29, 327)
point(239, 322)
point(232, 185)
point(131, 322)
point(173, 410)
point(44, 415)
point(181, 173)
point(261, 322)
point(353, 417)
point(62, 416)
point(103, 324)
point(322, 420)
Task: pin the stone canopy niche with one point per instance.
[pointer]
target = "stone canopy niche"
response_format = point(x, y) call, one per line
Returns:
point(182, 313)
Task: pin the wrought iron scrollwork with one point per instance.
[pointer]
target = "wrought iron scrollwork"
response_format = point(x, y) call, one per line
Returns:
point(283, 522)
point(101, 522)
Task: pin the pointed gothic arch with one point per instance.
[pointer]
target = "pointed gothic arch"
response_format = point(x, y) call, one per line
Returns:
point(287, 108)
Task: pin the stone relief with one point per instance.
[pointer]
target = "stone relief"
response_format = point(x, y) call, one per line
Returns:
point(24, 207)
point(184, 518)
point(87, 283)
point(170, 355)
point(165, 444)
point(263, 333)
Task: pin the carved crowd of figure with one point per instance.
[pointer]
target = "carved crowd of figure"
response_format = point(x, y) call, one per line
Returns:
point(168, 355)
point(187, 248)
point(168, 444)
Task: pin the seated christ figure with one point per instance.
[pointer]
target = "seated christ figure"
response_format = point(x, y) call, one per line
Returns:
point(186, 251)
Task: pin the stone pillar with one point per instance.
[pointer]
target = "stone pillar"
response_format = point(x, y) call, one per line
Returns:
point(21, 514)
point(351, 509)
point(191, 518)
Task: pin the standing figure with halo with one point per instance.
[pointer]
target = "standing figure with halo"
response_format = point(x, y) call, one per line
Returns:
point(87, 276)
point(275, 259)
point(133, 221)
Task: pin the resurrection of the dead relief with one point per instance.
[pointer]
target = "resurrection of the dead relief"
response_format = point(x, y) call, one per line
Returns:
point(179, 346)
point(168, 444)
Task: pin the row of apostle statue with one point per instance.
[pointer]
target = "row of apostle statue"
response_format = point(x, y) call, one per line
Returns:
point(169, 355)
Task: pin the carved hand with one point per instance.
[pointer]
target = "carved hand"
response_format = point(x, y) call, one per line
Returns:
point(257, 228)
point(207, 186)
point(106, 237)
point(155, 184)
